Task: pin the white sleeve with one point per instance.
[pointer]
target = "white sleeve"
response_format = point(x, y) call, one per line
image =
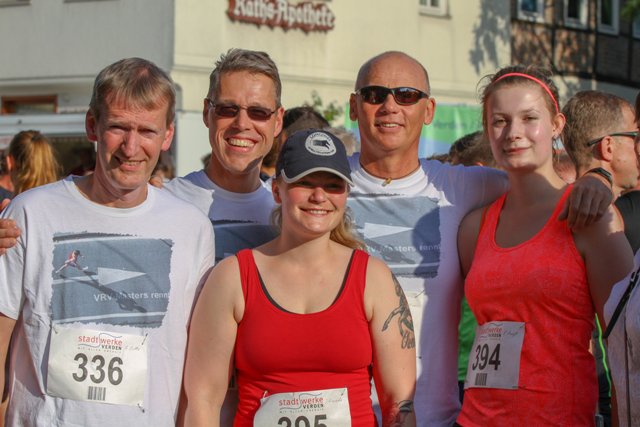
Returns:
point(12, 265)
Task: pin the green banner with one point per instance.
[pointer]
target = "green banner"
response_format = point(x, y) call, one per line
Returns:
point(451, 121)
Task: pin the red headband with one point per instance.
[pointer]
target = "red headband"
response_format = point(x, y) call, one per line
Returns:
point(540, 82)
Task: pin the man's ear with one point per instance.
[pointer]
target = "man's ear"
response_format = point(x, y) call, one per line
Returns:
point(205, 112)
point(168, 137)
point(353, 114)
point(279, 118)
point(430, 111)
point(91, 126)
point(605, 148)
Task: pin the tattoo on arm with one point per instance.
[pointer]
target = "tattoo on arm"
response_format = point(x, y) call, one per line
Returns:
point(405, 321)
point(399, 413)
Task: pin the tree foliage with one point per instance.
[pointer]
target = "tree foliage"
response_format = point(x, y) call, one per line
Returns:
point(330, 112)
point(631, 10)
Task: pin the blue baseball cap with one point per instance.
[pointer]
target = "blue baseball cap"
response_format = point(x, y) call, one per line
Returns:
point(312, 150)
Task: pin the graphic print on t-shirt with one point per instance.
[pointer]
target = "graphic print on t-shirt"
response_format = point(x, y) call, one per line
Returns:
point(110, 279)
point(404, 232)
point(233, 236)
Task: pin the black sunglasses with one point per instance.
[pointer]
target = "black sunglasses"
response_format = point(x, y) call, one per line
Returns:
point(631, 134)
point(402, 95)
point(259, 114)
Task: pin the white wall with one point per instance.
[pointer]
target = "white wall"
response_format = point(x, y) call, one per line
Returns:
point(328, 62)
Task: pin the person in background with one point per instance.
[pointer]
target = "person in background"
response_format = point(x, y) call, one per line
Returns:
point(622, 312)
point(471, 150)
point(101, 342)
point(164, 170)
point(31, 161)
point(629, 202)
point(531, 282)
point(347, 137)
point(342, 324)
point(294, 119)
point(86, 155)
point(6, 185)
point(599, 135)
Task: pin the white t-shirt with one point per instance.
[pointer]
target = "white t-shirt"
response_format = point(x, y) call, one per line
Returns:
point(412, 225)
point(240, 220)
point(630, 320)
point(81, 266)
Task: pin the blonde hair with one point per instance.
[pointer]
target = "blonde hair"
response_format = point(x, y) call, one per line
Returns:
point(34, 162)
point(342, 234)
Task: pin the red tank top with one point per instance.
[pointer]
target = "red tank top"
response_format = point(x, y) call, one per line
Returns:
point(541, 282)
point(278, 351)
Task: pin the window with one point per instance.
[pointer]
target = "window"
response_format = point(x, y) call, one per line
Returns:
point(575, 13)
point(47, 104)
point(636, 28)
point(433, 7)
point(608, 16)
point(531, 10)
point(14, 2)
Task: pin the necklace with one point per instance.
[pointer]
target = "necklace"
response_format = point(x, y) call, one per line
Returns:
point(386, 181)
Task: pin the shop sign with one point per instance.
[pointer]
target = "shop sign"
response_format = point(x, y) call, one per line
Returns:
point(306, 16)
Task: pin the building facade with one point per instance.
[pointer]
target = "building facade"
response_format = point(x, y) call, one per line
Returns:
point(52, 50)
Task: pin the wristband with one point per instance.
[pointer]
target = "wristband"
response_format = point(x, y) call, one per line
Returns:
point(603, 173)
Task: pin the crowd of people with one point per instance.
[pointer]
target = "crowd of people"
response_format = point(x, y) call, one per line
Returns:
point(327, 291)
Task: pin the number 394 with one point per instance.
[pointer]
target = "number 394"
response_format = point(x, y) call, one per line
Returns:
point(483, 359)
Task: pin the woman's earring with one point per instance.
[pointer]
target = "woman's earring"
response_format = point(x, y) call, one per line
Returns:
point(557, 143)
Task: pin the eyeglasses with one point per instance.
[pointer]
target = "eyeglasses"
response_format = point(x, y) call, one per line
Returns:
point(402, 95)
point(259, 114)
point(631, 134)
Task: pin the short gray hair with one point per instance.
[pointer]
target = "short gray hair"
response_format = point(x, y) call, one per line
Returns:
point(254, 62)
point(135, 82)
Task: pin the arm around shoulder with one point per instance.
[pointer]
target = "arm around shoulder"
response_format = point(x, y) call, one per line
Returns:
point(212, 335)
point(392, 334)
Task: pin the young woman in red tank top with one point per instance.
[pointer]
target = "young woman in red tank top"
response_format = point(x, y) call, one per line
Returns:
point(531, 282)
point(307, 319)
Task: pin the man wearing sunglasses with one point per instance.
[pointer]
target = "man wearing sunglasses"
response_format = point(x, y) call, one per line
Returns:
point(408, 211)
point(243, 113)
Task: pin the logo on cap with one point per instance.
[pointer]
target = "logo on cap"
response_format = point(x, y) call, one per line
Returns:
point(321, 144)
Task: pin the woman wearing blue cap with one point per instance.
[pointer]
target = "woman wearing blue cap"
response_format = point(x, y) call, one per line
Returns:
point(306, 319)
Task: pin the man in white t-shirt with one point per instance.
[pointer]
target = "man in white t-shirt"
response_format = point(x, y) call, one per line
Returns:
point(103, 344)
point(408, 211)
point(243, 113)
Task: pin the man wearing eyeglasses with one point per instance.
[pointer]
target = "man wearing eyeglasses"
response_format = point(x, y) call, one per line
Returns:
point(600, 133)
point(408, 211)
point(600, 136)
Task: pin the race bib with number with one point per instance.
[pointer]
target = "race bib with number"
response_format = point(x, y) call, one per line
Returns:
point(319, 408)
point(97, 366)
point(494, 361)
